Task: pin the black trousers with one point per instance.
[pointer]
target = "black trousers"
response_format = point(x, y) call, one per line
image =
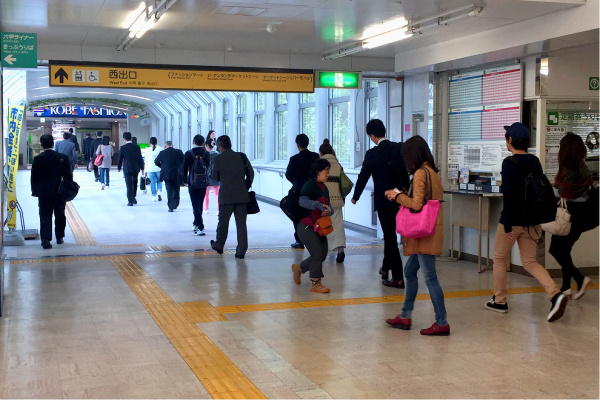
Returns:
point(240, 211)
point(97, 172)
point(391, 253)
point(561, 246)
point(197, 197)
point(296, 221)
point(48, 206)
point(131, 183)
point(173, 194)
point(317, 248)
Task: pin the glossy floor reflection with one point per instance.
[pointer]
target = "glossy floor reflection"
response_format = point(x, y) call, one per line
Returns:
point(76, 330)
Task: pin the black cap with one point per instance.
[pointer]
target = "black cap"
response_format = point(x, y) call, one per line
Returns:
point(517, 131)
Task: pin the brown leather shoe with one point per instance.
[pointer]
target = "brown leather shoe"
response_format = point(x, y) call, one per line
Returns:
point(436, 330)
point(399, 322)
point(297, 273)
point(394, 284)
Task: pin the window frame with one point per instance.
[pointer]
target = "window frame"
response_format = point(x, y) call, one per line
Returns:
point(301, 107)
point(226, 117)
point(280, 108)
point(331, 102)
point(370, 94)
point(259, 112)
point(241, 118)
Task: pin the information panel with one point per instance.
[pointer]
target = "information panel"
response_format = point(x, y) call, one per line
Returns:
point(131, 76)
point(482, 102)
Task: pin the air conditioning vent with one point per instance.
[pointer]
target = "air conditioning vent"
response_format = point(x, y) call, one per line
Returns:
point(245, 11)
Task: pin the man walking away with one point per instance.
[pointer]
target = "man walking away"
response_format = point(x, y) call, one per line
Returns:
point(47, 171)
point(195, 171)
point(297, 173)
point(67, 148)
point(170, 161)
point(384, 162)
point(95, 144)
point(130, 159)
point(235, 173)
point(87, 148)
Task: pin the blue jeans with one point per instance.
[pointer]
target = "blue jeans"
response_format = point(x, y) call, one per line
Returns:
point(155, 183)
point(427, 262)
point(105, 176)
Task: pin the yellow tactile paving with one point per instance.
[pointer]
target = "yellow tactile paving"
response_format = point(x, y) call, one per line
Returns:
point(214, 369)
point(82, 234)
point(373, 300)
point(160, 248)
point(111, 246)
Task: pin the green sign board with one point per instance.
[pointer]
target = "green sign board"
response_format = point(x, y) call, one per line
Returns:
point(594, 83)
point(338, 80)
point(552, 118)
point(18, 50)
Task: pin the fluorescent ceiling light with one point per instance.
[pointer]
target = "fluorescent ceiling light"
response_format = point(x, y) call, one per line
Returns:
point(388, 26)
point(386, 38)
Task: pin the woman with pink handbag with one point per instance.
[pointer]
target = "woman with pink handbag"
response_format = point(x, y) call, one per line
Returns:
point(421, 209)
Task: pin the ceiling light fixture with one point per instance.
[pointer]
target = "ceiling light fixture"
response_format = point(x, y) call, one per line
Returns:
point(146, 16)
point(382, 34)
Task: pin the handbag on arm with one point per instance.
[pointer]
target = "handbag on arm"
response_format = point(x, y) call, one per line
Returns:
point(414, 224)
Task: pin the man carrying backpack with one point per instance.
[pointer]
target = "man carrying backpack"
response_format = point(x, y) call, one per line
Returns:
point(195, 171)
point(525, 191)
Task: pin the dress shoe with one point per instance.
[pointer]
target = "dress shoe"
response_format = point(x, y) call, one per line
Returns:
point(384, 274)
point(297, 271)
point(46, 245)
point(240, 257)
point(170, 210)
point(129, 204)
point(60, 241)
point(134, 201)
point(213, 245)
point(340, 258)
point(394, 284)
point(436, 330)
point(399, 322)
point(297, 245)
point(159, 197)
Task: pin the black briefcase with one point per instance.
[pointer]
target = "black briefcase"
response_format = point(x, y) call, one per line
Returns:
point(68, 189)
point(253, 203)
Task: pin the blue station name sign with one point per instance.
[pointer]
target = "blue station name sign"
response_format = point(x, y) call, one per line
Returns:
point(78, 112)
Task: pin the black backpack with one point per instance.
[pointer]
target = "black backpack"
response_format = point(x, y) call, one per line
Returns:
point(198, 177)
point(540, 202)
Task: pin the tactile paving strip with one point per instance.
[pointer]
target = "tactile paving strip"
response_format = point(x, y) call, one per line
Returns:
point(113, 246)
point(219, 375)
point(160, 248)
point(83, 236)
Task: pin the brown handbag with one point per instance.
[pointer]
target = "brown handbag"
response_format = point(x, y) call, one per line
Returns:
point(324, 226)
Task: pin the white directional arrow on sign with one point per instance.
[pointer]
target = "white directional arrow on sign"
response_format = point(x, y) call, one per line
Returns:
point(10, 59)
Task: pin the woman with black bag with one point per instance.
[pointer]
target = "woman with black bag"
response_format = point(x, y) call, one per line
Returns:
point(573, 183)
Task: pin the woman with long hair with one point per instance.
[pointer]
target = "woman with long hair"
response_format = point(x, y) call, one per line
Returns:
point(211, 138)
point(513, 226)
point(152, 170)
point(421, 252)
point(336, 240)
point(314, 196)
point(107, 152)
point(572, 183)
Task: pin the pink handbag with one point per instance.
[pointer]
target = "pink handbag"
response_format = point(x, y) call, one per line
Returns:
point(419, 224)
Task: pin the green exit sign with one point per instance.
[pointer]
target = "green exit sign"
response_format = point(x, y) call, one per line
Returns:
point(338, 80)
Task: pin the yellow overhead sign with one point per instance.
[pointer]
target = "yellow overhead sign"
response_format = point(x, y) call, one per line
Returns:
point(129, 76)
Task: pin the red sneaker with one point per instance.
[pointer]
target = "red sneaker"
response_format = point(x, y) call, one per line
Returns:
point(399, 322)
point(436, 330)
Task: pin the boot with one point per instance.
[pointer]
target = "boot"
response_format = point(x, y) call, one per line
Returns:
point(317, 287)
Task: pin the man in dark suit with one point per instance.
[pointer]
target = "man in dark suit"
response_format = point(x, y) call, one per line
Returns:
point(130, 159)
point(297, 173)
point(47, 171)
point(197, 187)
point(236, 175)
point(67, 148)
point(385, 164)
point(95, 144)
point(170, 161)
point(87, 148)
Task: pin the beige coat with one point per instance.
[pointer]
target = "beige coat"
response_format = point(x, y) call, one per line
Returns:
point(432, 244)
point(335, 194)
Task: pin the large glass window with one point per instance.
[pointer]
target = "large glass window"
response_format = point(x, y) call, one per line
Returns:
point(281, 131)
point(340, 123)
point(241, 119)
point(211, 116)
point(226, 116)
point(307, 119)
point(199, 119)
point(259, 126)
point(371, 93)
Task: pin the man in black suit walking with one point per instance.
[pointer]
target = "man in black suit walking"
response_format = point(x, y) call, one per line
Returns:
point(95, 144)
point(130, 159)
point(384, 162)
point(47, 171)
point(170, 161)
point(297, 173)
point(87, 148)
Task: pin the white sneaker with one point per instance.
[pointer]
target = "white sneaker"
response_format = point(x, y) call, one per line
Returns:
point(154, 199)
point(206, 212)
point(568, 293)
point(200, 233)
point(579, 294)
point(106, 187)
point(196, 229)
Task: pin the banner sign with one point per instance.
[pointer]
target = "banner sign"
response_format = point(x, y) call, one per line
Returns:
point(167, 77)
point(78, 112)
point(15, 120)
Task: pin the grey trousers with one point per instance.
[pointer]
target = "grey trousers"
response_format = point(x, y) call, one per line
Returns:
point(240, 211)
point(317, 248)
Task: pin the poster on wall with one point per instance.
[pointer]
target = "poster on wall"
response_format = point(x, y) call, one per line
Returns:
point(477, 156)
point(61, 126)
point(554, 134)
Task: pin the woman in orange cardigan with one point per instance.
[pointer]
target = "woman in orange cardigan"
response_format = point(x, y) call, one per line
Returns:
point(421, 252)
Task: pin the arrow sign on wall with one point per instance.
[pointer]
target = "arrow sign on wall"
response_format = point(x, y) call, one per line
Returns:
point(10, 59)
point(62, 75)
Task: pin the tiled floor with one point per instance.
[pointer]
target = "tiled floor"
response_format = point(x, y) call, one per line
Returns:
point(77, 330)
